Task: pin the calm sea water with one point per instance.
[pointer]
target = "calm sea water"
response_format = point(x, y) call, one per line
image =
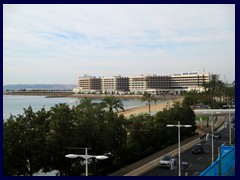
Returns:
point(14, 104)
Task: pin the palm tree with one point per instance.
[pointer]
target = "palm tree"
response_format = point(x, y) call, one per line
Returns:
point(86, 104)
point(205, 85)
point(112, 102)
point(220, 90)
point(149, 98)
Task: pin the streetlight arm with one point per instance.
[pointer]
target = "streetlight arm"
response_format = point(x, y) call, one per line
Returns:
point(101, 157)
point(171, 125)
point(72, 156)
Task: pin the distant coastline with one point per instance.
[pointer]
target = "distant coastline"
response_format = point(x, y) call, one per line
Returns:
point(32, 93)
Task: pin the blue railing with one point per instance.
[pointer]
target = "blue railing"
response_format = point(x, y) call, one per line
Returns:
point(224, 165)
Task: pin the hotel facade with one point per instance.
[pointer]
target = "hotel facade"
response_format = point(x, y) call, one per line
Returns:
point(154, 84)
point(157, 85)
point(115, 84)
point(88, 84)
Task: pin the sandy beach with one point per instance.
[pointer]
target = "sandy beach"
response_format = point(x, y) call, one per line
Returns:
point(154, 107)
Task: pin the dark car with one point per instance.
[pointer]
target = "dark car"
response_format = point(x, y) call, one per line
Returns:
point(198, 149)
point(217, 135)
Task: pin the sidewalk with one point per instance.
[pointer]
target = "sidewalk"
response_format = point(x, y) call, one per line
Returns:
point(146, 162)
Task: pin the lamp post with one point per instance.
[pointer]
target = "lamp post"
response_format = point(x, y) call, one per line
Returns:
point(179, 139)
point(212, 135)
point(229, 122)
point(212, 139)
point(86, 157)
point(229, 127)
point(212, 129)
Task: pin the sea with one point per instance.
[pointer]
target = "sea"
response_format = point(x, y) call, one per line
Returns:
point(15, 104)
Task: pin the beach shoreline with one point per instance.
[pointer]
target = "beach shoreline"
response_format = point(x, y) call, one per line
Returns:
point(154, 107)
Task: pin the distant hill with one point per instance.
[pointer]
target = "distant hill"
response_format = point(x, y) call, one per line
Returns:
point(38, 86)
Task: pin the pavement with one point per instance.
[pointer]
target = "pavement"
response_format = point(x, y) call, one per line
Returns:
point(140, 167)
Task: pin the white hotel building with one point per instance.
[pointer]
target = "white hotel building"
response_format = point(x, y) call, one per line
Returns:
point(191, 80)
point(156, 84)
point(114, 84)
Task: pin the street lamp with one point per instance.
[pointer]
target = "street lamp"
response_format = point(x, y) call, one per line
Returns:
point(179, 139)
point(212, 129)
point(229, 122)
point(86, 157)
point(212, 136)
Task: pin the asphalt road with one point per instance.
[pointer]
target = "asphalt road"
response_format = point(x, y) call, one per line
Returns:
point(197, 162)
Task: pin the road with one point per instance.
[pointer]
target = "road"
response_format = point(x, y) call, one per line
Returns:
point(197, 162)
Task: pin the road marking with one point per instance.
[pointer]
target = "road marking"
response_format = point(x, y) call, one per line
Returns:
point(200, 157)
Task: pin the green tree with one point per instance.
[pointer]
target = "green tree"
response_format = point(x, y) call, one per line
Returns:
point(149, 98)
point(24, 142)
point(179, 112)
point(35, 140)
point(86, 104)
point(61, 134)
point(191, 98)
point(113, 103)
point(14, 162)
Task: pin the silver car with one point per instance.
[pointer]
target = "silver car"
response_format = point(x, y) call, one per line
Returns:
point(165, 161)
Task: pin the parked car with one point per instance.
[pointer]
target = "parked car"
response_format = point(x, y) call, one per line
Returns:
point(217, 135)
point(165, 161)
point(198, 149)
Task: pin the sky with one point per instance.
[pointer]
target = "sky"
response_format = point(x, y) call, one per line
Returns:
point(56, 44)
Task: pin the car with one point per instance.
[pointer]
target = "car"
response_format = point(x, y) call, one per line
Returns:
point(198, 149)
point(217, 135)
point(165, 161)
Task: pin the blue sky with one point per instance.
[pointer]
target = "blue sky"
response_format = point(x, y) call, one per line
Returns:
point(59, 43)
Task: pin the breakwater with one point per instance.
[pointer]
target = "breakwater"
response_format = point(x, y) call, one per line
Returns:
point(38, 93)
